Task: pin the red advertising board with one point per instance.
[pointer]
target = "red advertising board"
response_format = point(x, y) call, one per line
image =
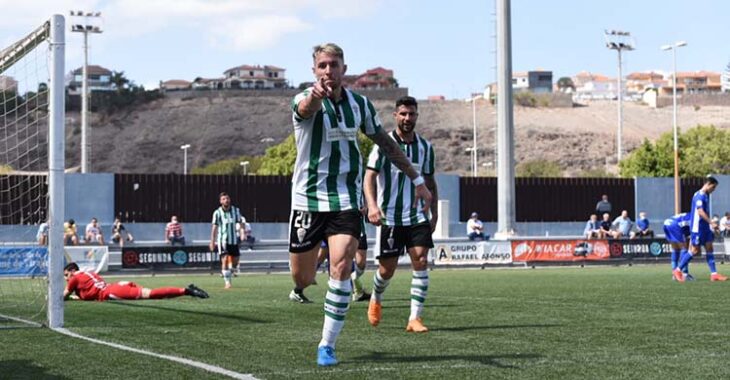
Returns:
point(559, 250)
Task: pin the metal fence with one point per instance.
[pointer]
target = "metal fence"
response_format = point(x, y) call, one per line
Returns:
point(156, 197)
point(557, 199)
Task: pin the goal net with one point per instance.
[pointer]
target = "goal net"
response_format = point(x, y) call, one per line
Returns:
point(31, 177)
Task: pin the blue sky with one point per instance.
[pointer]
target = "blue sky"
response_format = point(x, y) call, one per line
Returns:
point(434, 47)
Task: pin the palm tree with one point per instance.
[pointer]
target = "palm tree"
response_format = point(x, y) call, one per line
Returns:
point(119, 80)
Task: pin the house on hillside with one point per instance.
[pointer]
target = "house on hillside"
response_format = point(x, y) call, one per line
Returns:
point(377, 78)
point(637, 83)
point(99, 79)
point(592, 86)
point(8, 84)
point(538, 81)
point(255, 77)
point(694, 82)
point(175, 84)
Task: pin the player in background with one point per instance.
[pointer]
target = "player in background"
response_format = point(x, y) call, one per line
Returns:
point(676, 231)
point(404, 225)
point(700, 232)
point(89, 286)
point(327, 184)
point(227, 227)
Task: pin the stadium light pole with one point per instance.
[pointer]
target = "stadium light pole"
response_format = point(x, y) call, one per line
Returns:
point(675, 128)
point(619, 40)
point(505, 125)
point(244, 165)
point(185, 157)
point(84, 24)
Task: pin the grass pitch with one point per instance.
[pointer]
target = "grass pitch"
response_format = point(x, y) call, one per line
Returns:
point(567, 323)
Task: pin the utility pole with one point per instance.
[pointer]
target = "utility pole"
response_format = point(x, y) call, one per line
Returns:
point(84, 23)
point(675, 128)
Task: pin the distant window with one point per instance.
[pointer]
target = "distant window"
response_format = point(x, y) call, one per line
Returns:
point(276, 74)
point(250, 73)
point(514, 80)
point(545, 78)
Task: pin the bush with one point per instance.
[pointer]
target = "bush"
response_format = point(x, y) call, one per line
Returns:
point(539, 168)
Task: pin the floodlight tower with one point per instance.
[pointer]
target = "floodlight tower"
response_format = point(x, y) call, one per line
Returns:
point(85, 22)
point(677, 188)
point(619, 40)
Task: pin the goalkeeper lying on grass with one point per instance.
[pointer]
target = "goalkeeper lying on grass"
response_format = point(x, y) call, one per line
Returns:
point(89, 286)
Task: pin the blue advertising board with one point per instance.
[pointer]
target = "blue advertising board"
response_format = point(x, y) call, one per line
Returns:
point(23, 261)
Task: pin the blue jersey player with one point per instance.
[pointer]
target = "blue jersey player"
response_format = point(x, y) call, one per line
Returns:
point(700, 231)
point(676, 231)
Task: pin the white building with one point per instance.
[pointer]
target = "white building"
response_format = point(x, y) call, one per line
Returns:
point(255, 77)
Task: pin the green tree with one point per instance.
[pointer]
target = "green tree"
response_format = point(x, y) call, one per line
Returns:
point(539, 168)
point(231, 166)
point(565, 83)
point(702, 150)
point(279, 159)
point(119, 80)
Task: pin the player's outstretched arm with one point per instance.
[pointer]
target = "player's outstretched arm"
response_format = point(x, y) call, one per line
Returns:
point(391, 150)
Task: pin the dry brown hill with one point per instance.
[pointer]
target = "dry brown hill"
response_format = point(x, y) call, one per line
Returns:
point(146, 138)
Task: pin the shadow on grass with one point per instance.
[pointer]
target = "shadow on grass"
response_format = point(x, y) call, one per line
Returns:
point(25, 369)
point(146, 305)
point(488, 360)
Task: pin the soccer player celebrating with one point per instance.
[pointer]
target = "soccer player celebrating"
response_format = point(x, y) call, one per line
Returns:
point(327, 184)
point(404, 225)
point(89, 286)
point(700, 232)
point(676, 231)
point(225, 234)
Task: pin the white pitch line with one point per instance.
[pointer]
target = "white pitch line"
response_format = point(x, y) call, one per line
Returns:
point(34, 324)
point(192, 363)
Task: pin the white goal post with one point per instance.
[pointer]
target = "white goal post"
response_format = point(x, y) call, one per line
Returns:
point(33, 138)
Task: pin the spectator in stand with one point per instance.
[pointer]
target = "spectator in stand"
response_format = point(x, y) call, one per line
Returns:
point(93, 233)
point(70, 236)
point(42, 235)
point(173, 232)
point(593, 228)
point(642, 227)
point(605, 231)
point(623, 224)
point(475, 228)
point(603, 206)
point(725, 224)
point(117, 230)
point(249, 238)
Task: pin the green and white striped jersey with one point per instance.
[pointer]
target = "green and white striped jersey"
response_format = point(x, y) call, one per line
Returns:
point(226, 222)
point(396, 192)
point(329, 166)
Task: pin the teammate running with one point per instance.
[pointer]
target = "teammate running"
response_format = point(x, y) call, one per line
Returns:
point(89, 286)
point(404, 226)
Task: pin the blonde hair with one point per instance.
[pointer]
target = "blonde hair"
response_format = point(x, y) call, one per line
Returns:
point(330, 49)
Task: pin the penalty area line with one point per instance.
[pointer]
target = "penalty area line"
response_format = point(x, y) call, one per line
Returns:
point(189, 362)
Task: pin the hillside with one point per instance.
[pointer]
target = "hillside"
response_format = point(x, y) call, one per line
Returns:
point(146, 138)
